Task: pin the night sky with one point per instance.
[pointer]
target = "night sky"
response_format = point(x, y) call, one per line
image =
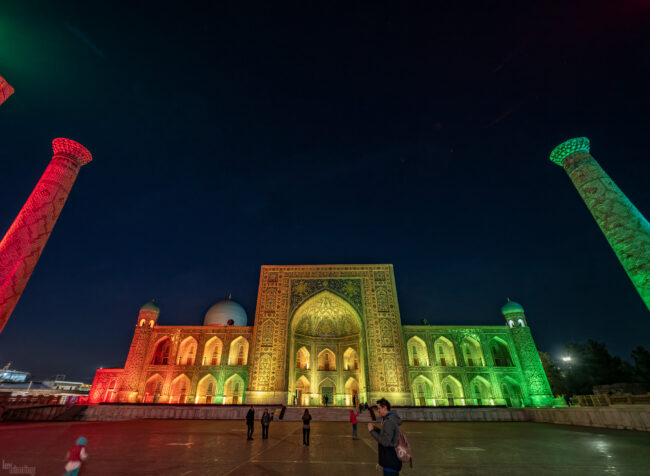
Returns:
point(226, 137)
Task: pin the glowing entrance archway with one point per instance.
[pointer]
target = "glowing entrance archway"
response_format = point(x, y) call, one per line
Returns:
point(326, 344)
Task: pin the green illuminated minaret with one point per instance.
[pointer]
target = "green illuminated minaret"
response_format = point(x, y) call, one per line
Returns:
point(539, 390)
point(626, 230)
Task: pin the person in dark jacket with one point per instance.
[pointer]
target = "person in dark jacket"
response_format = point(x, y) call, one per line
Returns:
point(250, 422)
point(266, 421)
point(387, 438)
point(306, 418)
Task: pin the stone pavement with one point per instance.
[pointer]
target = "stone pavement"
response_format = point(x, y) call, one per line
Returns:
point(200, 447)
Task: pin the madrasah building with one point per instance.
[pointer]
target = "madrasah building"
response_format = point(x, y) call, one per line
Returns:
point(326, 333)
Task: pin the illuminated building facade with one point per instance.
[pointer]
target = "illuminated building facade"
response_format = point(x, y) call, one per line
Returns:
point(334, 332)
point(626, 230)
point(23, 244)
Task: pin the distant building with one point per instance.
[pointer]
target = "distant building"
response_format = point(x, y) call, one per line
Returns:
point(14, 376)
point(62, 391)
point(326, 332)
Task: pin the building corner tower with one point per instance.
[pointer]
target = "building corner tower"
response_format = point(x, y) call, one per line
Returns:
point(147, 320)
point(626, 230)
point(539, 389)
point(24, 242)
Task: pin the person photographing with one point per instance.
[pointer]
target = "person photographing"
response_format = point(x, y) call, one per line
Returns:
point(387, 438)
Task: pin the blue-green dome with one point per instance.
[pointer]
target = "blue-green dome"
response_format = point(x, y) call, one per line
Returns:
point(511, 307)
point(150, 306)
point(226, 313)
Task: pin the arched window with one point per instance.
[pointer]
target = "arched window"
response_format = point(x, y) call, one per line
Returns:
point(511, 323)
point(500, 353)
point(472, 352)
point(302, 391)
point(212, 352)
point(180, 389)
point(142, 321)
point(153, 389)
point(205, 389)
point(187, 352)
point(326, 360)
point(234, 390)
point(238, 352)
point(445, 354)
point(302, 359)
point(350, 359)
point(481, 391)
point(453, 390)
point(417, 351)
point(521, 322)
point(161, 353)
point(511, 392)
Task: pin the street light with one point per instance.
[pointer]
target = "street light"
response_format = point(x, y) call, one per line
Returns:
point(566, 358)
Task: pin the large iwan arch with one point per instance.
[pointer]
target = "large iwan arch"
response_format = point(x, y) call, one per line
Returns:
point(328, 327)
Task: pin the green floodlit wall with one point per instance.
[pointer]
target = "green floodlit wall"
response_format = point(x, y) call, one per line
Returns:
point(626, 230)
point(487, 365)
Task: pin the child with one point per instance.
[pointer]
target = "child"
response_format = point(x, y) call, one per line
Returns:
point(353, 420)
point(75, 456)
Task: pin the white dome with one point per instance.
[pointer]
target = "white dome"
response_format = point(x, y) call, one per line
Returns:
point(226, 313)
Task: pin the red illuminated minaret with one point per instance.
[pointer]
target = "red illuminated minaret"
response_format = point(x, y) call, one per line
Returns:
point(5, 90)
point(24, 242)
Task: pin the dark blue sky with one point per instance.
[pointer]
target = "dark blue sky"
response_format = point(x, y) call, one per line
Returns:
point(228, 137)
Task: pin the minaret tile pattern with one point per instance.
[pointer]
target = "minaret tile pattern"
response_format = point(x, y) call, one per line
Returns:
point(626, 230)
point(5, 90)
point(24, 242)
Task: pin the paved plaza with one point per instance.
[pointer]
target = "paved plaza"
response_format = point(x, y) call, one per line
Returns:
point(199, 447)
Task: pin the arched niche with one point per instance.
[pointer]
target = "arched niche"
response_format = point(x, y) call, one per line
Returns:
point(212, 351)
point(238, 351)
point(445, 352)
point(417, 352)
point(187, 351)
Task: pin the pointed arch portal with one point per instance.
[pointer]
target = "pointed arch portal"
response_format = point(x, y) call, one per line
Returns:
point(327, 327)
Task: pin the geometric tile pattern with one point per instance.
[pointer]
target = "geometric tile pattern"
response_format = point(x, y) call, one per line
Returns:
point(626, 230)
point(24, 242)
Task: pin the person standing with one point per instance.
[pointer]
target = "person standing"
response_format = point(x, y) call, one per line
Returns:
point(387, 438)
point(354, 400)
point(250, 422)
point(266, 421)
point(326, 399)
point(306, 418)
point(353, 420)
point(76, 456)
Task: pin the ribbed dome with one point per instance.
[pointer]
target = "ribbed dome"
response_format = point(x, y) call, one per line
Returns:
point(511, 307)
point(226, 313)
point(150, 306)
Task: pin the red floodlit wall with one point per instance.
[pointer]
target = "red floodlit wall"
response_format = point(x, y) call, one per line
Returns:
point(5, 90)
point(24, 242)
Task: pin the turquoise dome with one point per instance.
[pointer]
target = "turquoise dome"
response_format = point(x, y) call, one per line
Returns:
point(226, 313)
point(150, 306)
point(511, 307)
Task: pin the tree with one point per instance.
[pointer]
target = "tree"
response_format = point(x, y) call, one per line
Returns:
point(641, 358)
point(592, 364)
point(556, 378)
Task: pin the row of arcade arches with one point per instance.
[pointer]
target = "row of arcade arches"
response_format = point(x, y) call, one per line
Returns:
point(445, 355)
point(212, 352)
point(206, 391)
point(326, 359)
point(480, 392)
point(306, 393)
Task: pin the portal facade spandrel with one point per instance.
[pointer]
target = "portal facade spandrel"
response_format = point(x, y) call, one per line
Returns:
point(348, 310)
